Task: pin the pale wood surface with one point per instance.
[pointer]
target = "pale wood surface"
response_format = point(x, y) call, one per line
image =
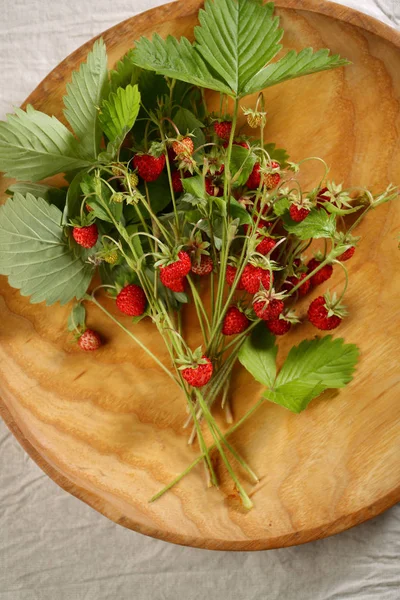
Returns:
point(108, 428)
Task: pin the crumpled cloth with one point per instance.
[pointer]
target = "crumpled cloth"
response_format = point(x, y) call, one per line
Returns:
point(54, 547)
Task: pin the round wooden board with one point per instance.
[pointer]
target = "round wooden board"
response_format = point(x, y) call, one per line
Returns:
point(108, 428)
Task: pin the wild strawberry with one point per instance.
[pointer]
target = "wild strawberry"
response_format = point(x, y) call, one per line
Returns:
point(266, 245)
point(298, 213)
point(223, 129)
point(183, 146)
point(349, 253)
point(149, 167)
point(131, 300)
point(278, 326)
point(204, 267)
point(212, 189)
point(235, 321)
point(89, 341)
point(322, 275)
point(199, 374)
point(179, 268)
point(230, 277)
point(86, 236)
point(253, 277)
point(271, 180)
point(111, 257)
point(254, 180)
point(268, 309)
point(291, 282)
point(322, 197)
point(88, 208)
point(173, 284)
point(322, 316)
point(241, 143)
point(131, 181)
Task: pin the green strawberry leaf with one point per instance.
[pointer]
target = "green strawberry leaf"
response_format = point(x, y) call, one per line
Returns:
point(51, 194)
point(281, 207)
point(318, 224)
point(311, 368)
point(118, 114)
point(77, 317)
point(258, 355)
point(34, 146)
point(84, 94)
point(241, 165)
point(125, 73)
point(36, 255)
point(239, 212)
point(99, 197)
point(195, 186)
point(278, 154)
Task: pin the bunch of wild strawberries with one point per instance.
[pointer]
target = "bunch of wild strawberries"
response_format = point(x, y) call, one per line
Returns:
point(270, 278)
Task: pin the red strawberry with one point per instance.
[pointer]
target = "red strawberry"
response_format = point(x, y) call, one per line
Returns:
point(177, 182)
point(268, 310)
point(149, 167)
point(291, 282)
point(183, 146)
point(318, 315)
point(175, 285)
point(349, 253)
point(323, 274)
point(86, 236)
point(204, 267)
point(298, 213)
point(254, 180)
point(89, 341)
point(88, 208)
point(238, 143)
point(230, 277)
point(262, 224)
point(321, 197)
point(253, 277)
point(212, 189)
point(223, 129)
point(266, 245)
point(235, 321)
point(131, 300)
point(198, 375)
point(278, 326)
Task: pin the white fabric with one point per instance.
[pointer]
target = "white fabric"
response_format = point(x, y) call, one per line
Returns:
point(54, 547)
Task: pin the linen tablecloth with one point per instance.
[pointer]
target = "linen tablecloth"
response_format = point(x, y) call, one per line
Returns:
point(54, 547)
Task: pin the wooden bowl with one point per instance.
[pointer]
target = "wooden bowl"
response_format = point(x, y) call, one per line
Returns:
point(108, 428)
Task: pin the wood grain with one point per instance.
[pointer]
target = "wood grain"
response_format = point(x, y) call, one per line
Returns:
point(109, 428)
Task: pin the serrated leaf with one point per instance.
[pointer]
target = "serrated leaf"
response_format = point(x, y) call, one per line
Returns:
point(318, 224)
point(34, 146)
point(311, 368)
point(84, 94)
point(195, 186)
point(125, 73)
point(294, 65)
point(281, 206)
point(119, 112)
point(51, 194)
point(278, 154)
point(237, 39)
point(77, 317)
point(35, 253)
point(239, 212)
point(258, 355)
point(241, 164)
point(176, 59)
point(98, 198)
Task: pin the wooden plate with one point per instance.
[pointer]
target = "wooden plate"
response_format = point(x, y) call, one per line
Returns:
point(109, 428)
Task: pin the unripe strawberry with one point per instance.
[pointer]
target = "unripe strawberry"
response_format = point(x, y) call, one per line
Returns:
point(322, 275)
point(86, 236)
point(204, 267)
point(235, 321)
point(183, 146)
point(148, 166)
point(271, 180)
point(133, 180)
point(278, 326)
point(223, 129)
point(131, 300)
point(89, 341)
point(298, 213)
point(199, 375)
